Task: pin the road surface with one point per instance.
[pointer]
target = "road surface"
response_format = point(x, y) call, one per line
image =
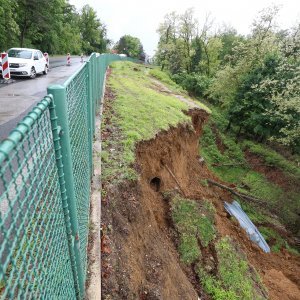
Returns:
point(18, 98)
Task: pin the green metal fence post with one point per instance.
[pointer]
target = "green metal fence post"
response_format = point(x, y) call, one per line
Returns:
point(90, 114)
point(59, 98)
point(56, 130)
point(90, 92)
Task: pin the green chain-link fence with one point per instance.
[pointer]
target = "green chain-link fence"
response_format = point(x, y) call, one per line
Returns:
point(45, 175)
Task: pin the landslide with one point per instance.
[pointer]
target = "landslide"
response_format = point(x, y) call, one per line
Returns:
point(140, 258)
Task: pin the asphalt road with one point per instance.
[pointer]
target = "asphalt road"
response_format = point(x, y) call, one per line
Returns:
point(18, 98)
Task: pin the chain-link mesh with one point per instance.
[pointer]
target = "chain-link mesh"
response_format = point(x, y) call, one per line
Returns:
point(34, 254)
point(37, 246)
point(77, 95)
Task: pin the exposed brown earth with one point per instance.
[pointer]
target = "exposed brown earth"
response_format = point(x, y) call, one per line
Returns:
point(272, 173)
point(139, 255)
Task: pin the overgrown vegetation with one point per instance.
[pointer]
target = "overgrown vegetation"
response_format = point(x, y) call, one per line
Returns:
point(235, 278)
point(225, 156)
point(254, 79)
point(275, 240)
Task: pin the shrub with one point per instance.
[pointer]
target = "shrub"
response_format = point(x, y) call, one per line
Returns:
point(194, 83)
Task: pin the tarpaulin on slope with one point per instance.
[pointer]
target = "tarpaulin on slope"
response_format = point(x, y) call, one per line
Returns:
point(235, 210)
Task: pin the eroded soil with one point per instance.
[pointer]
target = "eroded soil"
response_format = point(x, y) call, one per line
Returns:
point(139, 255)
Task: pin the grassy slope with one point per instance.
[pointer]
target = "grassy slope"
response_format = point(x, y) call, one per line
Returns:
point(139, 113)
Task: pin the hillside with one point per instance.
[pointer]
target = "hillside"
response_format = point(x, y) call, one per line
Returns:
point(165, 232)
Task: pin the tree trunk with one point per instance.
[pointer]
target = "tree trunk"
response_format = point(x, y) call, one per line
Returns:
point(23, 31)
point(229, 125)
point(239, 132)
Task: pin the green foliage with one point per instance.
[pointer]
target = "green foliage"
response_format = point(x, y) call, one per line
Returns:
point(131, 46)
point(234, 279)
point(9, 29)
point(92, 31)
point(54, 26)
point(254, 78)
point(193, 221)
point(194, 83)
point(224, 86)
point(231, 166)
point(261, 187)
point(229, 38)
point(188, 248)
point(256, 215)
point(249, 106)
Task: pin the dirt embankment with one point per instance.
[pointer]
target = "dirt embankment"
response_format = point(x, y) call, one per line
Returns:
point(139, 255)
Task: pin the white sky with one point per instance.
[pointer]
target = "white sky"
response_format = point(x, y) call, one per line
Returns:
point(141, 18)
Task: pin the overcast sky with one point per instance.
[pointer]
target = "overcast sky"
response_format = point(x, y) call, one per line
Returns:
point(141, 18)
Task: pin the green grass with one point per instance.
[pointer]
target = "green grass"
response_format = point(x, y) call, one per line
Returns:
point(232, 167)
point(276, 241)
point(140, 113)
point(166, 79)
point(194, 223)
point(261, 187)
point(235, 279)
point(232, 154)
point(247, 180)
point(271, 157)
point(255, 214)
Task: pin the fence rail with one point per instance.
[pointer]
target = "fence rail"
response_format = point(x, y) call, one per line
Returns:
point(46, 168)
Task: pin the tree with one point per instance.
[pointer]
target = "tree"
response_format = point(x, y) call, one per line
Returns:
point(168, 54)
point(36, 18)
point(230, 39)
point(197, 56)
point(210, 63)
point(188, 26)
point(285, 91)
point(63, 35)
point(53, 26)
point(131, 46)
point(247, 55)
point(93, 32)
point(248, 110)
point(9, 29)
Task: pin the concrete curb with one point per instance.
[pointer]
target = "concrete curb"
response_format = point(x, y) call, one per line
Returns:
point(94, 255)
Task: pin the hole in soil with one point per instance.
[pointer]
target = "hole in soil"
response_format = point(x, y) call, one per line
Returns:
point(155, 184)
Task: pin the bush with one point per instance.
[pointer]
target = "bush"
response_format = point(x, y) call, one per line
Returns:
point(195, 84)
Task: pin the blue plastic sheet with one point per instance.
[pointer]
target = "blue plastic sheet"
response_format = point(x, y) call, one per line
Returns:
point(255, 236)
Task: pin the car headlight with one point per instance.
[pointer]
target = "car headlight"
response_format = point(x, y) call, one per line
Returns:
point(22, 65)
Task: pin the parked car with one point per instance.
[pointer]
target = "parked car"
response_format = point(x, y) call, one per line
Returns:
point(26, 62)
